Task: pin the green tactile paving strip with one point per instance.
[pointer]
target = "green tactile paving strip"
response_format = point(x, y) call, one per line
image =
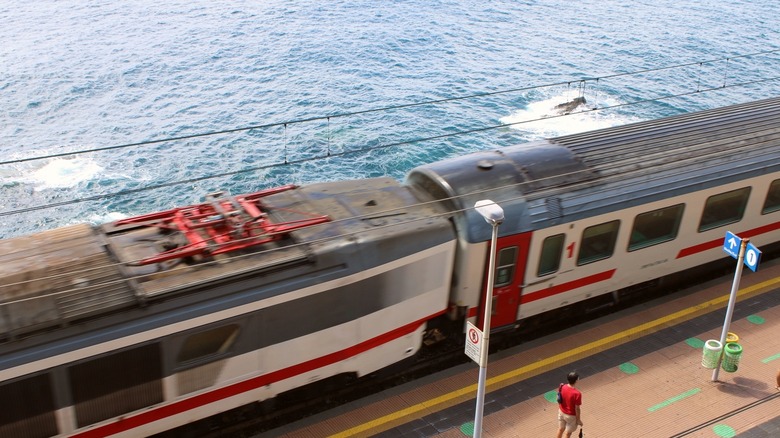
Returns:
point(755, 319)
point(695, 342)
point(771, 358)
point(629, 368)
point(676, 398)
point(724, 431)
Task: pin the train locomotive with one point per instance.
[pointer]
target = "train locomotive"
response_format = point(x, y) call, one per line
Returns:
point(144, 324)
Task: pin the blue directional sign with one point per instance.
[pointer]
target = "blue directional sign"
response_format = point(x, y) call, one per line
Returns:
point(752, 257)
point(731, 245)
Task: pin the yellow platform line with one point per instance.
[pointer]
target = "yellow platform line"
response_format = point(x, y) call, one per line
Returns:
point(560, 358)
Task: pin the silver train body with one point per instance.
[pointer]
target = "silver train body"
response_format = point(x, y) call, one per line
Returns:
point(145, 324)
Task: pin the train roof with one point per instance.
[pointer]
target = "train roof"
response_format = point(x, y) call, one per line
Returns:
point(566, 178)
point(279, 236)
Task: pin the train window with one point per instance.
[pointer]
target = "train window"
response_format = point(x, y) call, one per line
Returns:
point(505, 268)
point(655, 227)
point(28, 408)
point(116, 384)
point(724, 208)
point(208, 343)
point(598, 242)
point(550, 258)
point(772, 202)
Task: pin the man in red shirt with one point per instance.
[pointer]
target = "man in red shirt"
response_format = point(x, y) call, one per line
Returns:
point(569, 406)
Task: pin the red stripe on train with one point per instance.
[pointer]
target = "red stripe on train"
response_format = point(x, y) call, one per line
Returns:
point(559, 289)
point(155, 414)
point(691, 250)
point(566, 287)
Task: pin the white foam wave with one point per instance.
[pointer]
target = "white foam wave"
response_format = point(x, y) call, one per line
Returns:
point(63, 173)
point(106, 217)
point(541, 119)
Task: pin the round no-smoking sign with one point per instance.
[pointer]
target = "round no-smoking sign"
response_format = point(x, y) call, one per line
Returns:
point(474, 335)
point(474, 342)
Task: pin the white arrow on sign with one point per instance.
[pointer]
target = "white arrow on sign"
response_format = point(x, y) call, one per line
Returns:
point(731, 244)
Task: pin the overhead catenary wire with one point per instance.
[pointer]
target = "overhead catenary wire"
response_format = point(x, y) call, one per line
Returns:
point(355, 152)
point(284, 124)
point(331, 154)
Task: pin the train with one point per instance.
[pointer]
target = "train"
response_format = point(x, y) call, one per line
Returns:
point(144, 324)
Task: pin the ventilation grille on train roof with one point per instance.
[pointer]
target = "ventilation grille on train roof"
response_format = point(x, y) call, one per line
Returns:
point(674, 141)
point(50, 278)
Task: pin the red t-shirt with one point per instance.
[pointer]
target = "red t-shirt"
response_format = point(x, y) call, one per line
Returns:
point(572, 398)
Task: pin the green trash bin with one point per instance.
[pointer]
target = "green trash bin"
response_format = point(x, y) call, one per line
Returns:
point(731, 354)
point(711, 354)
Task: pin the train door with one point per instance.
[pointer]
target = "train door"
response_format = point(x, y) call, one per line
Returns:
point(507, 286)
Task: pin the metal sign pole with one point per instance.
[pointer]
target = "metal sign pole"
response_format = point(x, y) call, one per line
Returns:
point(730, 308)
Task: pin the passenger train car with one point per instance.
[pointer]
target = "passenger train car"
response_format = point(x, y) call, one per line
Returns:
point(147, 323)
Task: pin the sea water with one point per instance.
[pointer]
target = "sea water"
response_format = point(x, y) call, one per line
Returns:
point(260, 94)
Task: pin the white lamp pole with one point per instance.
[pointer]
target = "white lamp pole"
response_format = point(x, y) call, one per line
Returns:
point(494, 215)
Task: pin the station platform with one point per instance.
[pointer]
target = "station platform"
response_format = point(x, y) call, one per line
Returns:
point(641, 375)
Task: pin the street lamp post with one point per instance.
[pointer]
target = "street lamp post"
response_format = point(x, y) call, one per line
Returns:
point(494, 215)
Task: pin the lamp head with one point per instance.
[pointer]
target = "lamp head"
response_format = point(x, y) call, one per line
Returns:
point(489, 210)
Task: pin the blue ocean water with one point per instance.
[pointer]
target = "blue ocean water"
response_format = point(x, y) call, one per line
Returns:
point(313, 77)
